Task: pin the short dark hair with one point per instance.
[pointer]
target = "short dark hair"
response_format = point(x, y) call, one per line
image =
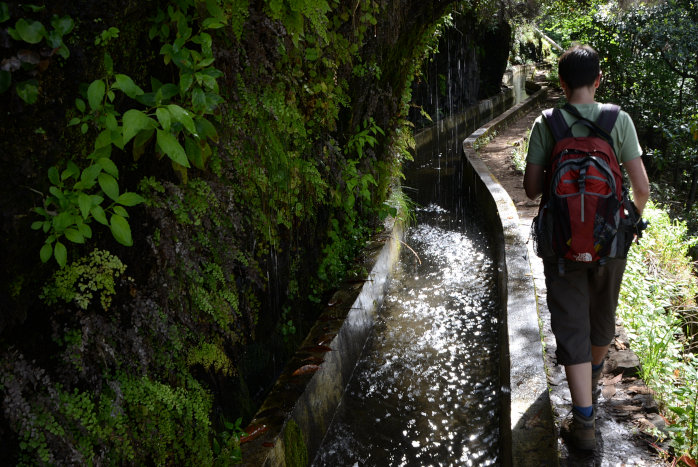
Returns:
point(579, 66)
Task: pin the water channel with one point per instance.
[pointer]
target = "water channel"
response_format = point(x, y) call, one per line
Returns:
point(426, 390)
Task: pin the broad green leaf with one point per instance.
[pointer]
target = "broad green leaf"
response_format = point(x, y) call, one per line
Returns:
point(95, 93)
point(121, 230)
point(62, 25)
point(62, 221)
point(121, 211)
point(74, 121)
point(109, 185)
point(85, 230)
point(80, 104)
point(134, 121)
point(60, 253)
point(90, 173)
point(164, 118)
point(198, 99)
point(170, 146)
point(85, 204)
point(5, 80)
point(126, 84)
point(53, 176)
point(28, 91)
point(194, 152)
point(98, 213)
point(130, 199)
point(103, 139)
point(116, 138)
point(185, 82)
point(108, 166)
point(205, 129)
point(183, 117)
point(74, 236)
point(37, 225)
point(46, 252)
point(71, 171)
point(110, 122)
point(31, 32)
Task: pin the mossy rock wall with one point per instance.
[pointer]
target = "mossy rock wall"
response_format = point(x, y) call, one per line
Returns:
point(147, 353)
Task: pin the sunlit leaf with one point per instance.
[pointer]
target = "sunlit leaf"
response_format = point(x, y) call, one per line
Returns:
point(60, 253)
point(121, 230)
point(170, 146)
point(130, 199)
point(74, 236)
point(120, 211)
point(108, 166)
point(134, 121)
point(109, 185)
point(95, 93)
point(53, 176)
point(46, 252)
point(31, 32)
point(98, 213)
point(85, 204)
point(126, 84)
point(183, 117)
point(164, 118)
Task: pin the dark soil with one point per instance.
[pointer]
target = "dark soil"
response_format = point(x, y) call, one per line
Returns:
point(626, 410)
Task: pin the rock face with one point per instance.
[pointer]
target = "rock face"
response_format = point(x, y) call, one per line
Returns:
point(204, 307)
point(468, 66)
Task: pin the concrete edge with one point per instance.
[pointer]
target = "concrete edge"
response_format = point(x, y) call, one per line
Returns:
point(532, 437)
point(306, 394)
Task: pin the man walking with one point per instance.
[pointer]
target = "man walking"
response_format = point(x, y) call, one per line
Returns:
point(582, 297)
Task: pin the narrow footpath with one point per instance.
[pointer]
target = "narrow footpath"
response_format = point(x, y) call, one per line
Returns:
point(626, 409)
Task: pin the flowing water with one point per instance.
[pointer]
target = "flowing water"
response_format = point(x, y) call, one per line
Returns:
point(426, 391)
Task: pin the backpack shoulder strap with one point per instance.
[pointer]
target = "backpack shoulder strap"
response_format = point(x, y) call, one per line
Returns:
point(603, 124)
point(608, 117)
point(557, 124)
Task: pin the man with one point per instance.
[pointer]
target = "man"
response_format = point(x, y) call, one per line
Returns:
point(582, 297)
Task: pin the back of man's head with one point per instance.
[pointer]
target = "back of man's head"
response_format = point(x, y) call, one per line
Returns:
point(579, 66)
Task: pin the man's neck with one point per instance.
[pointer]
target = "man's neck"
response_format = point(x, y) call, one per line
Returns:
point(583, 95)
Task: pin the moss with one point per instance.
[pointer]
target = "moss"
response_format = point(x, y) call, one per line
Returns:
point(295, 449)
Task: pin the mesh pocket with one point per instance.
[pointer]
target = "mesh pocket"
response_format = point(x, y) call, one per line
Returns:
point(541, 233)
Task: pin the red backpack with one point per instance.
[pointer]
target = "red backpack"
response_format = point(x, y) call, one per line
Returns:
point(585, 214)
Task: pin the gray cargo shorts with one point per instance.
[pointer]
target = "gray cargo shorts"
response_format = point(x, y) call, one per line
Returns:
point(582, 303)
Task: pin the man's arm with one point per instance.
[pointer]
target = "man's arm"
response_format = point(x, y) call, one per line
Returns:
point(533, 180)
point(638, 181)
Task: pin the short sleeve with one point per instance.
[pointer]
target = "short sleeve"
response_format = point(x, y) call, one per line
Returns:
point(539, 143)
point(627, 144)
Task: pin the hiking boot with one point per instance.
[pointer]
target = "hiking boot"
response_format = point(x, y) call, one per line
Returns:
point(581, 431)
point(595, 391)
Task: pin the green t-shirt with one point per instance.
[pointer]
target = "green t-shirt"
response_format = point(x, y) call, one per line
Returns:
point(625, 143)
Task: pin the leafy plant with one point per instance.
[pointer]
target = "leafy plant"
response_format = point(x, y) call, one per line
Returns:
point(43, 43)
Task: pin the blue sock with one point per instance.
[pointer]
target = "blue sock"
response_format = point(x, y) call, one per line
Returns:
point(586, 411)
point(596, 367)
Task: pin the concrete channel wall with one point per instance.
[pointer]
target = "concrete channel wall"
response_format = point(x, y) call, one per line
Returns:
point(289, 427)
point(528, 433)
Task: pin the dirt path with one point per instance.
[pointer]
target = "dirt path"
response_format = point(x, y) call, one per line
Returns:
point(626, 409)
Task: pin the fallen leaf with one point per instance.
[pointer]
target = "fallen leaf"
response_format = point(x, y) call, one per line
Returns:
point(305, 369)
point(608, 392)
point(253, 431)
